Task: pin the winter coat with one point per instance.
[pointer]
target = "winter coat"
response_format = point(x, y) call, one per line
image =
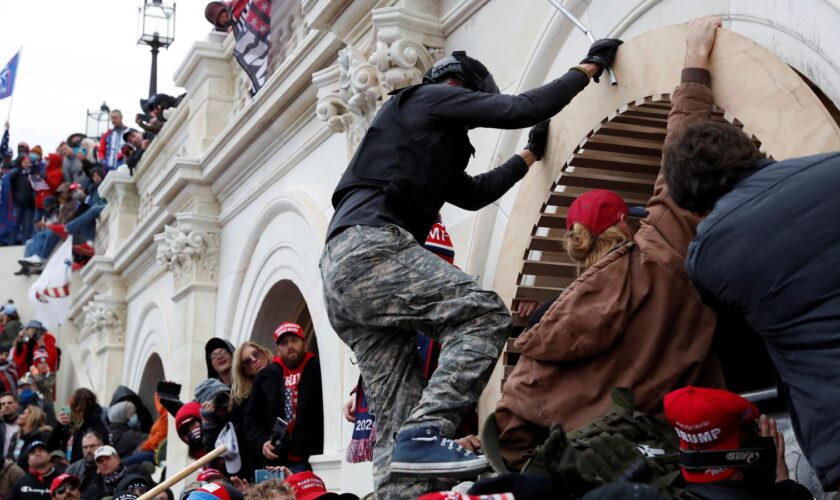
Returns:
point(73, 171)
point(10, 472)
point(23, 351)
point(44, 433)
point(8, 377)
point(93, 422)
point(22, 193)
point(266, 404)
point(35, 487)
point(98, 488)
point(769, 251)
point(123, 393)
point(633, 319)
point(416, 150)
point(124, 439)
point(10, 332)
point(54, 176)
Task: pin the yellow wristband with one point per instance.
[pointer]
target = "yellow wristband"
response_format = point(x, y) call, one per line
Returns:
point(581, 69)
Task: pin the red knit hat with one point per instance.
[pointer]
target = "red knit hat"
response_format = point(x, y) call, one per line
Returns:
point(191, 410)
point(439, 242)
point(288, 327)
point(597, 210)
point(708, 419)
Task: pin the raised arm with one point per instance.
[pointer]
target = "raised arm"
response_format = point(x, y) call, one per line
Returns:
point(691, 102)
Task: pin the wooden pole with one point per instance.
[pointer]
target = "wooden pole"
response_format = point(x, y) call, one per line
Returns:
point(186, 471)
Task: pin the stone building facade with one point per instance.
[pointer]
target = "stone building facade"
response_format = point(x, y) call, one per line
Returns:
point(219, 231)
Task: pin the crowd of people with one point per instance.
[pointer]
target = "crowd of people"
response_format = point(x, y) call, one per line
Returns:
point(617, 392)
point(46, 198)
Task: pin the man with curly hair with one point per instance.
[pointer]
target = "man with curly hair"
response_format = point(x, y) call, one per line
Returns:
point(271, 490)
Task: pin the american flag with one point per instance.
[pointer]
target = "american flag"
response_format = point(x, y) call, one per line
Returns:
point(251, 29)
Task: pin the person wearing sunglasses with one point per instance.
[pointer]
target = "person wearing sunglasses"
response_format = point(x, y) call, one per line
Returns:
point(248, 360)
point(65, 487)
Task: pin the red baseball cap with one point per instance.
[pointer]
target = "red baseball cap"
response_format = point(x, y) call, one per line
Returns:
point(288, 327)
point(57, 482)
point(597, 210)
point(308, 486)
point(708, 420)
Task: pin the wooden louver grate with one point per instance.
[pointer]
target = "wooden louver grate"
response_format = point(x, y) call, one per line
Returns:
point(622, 154)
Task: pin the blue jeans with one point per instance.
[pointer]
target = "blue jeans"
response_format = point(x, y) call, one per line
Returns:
point(41, 244)
point(84, 226)
point(25, 219)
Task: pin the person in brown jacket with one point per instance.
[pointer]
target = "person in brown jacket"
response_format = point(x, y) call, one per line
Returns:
point(633, 318)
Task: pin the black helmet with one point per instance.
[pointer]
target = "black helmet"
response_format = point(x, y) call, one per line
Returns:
point(460, 66)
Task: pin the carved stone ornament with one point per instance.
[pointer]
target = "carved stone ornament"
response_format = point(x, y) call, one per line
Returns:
point(192, 256)
point(106, 320)
point(349, 100)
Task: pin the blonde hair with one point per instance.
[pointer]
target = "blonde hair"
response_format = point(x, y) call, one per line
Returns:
point(586, 249)
point(90, 145)
point(270, 490)
point(241, 387)
point(34, 420)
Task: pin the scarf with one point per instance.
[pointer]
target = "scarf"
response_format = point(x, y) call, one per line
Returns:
point(361, 445)
point(111, 479)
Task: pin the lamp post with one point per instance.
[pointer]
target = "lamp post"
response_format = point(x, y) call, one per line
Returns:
point(156, 28)
point(97, 121)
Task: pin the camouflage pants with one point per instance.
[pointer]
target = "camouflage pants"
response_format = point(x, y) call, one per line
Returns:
point(380, 287)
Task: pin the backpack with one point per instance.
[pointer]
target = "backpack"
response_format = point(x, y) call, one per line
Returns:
point(622, 445)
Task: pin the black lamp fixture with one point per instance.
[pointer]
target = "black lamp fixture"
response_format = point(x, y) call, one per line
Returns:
point(96, 122)
point(155, 28)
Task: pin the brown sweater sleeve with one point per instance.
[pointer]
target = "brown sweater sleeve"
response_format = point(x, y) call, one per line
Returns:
point(691, 102)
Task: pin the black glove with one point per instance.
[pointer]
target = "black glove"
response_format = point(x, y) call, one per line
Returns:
point(602, 53)
point(537, 138)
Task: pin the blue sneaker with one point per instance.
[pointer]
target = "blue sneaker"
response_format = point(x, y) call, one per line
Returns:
point(424, 452)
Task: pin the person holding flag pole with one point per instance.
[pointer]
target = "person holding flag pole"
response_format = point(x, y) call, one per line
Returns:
point(8, 220)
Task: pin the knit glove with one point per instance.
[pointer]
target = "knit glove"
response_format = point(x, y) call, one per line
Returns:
point(602, 53)
point(537, 139)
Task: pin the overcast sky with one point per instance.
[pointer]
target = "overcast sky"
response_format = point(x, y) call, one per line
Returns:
point(77, 53)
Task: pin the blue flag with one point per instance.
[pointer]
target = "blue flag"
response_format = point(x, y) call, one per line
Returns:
point(7, 77)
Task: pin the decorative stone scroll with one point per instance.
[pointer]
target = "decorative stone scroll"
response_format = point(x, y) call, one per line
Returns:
point(105, 318)
point(190, 254)
point(405, 44)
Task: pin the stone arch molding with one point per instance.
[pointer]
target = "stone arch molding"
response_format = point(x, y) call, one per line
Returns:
point(803, 41)
point(150, 336)
point(748, 81)
point(284, 243)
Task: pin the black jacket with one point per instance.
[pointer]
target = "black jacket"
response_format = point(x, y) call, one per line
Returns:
point(22, 193)
point(97, 488)
point(770, 251)
point(123, 393)
point(266, 404)
point(46, 434)
point(417, 148)
point(31, 487)
point(93, 422)
point(124, 439)
point(211, 427)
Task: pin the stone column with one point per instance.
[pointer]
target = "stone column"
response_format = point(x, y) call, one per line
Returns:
point(206, 76)
point(119, 219)
point(189, 250)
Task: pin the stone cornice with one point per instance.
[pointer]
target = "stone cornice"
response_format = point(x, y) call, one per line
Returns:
point(234, 148)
